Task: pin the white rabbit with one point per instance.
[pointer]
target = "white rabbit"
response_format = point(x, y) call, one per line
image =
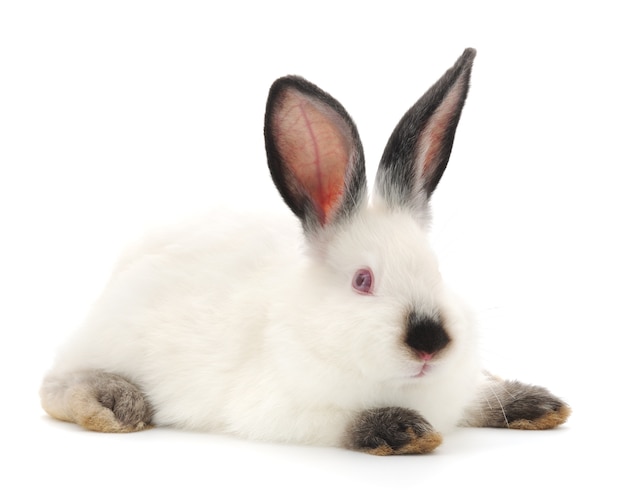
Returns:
point(337, 330)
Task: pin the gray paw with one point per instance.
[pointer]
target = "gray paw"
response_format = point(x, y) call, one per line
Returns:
point(391, 430)
point(124, 399)
point(512, 404)
point(96, 400)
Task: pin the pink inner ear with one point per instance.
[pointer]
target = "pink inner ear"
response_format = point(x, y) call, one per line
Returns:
point(313, 142)
point(431, 139)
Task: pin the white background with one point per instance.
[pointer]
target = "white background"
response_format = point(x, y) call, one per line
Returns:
point(118, 115)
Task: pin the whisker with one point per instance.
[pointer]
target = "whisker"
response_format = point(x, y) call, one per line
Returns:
point(501, 406)
point(513, 396)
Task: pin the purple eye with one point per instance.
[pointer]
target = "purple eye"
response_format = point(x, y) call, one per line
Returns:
point(363, 281)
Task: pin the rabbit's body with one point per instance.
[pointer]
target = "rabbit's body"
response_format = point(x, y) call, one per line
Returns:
point(337, 330)
point(301, 378)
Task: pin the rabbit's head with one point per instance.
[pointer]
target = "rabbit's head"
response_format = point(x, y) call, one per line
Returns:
point(370, 298)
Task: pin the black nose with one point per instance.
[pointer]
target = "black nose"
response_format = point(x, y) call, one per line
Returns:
point(425, 335)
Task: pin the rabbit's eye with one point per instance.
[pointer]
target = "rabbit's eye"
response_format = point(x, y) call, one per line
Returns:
point(363, 281)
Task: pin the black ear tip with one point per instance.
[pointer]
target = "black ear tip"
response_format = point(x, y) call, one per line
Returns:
point(469, 52)
point(467, 57)
point(289, 80)
point(283, 83)
point(295, 82)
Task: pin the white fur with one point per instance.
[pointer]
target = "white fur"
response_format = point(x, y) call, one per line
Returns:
point(232, 324)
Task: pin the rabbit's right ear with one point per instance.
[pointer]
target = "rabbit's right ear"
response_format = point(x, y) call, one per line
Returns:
point(418, 150)
point(314, 154)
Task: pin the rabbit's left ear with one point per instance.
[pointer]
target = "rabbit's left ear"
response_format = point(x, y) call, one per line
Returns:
point(418, 150)
point(314, 154)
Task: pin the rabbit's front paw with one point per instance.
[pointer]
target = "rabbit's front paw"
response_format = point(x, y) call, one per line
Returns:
point(387, 431)
point(535, 408)
point(512, 404)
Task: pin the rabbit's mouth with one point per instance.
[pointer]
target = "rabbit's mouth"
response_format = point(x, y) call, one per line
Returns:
point(423, 370)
